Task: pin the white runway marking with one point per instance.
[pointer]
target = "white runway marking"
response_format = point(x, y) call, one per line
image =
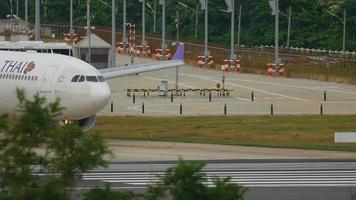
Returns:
point(261, 178)
point(245, 87)
point(169, 82)
point(243, 99)
point(319, 88)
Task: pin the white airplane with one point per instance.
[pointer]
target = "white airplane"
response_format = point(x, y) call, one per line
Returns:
point(81, 88)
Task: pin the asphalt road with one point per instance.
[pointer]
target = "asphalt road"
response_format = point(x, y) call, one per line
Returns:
point(266, 179)
point(288, 95)
point(271, 178)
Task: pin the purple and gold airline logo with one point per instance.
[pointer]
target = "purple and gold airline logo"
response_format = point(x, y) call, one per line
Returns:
point(29, 67)
point(19, 67)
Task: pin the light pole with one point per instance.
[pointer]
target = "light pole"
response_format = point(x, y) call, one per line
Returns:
point(153, 10)
point(113, 34)
point(196, 12)
point(177, 68)
point(143, 41)
point(275, 11)
point(38, 25)
point(232, 53)
point(177, 25)
point(343, 21)
point(239, 29)
point(11, 11)
point(289, 17)
point(289, 24)
point(231, 8)
point(124, 38)
point(204, 6)
point(113, 31)
point(88, 31)
point(163, 3)
point(17, 7)
point(71, 32)
point(26, 16)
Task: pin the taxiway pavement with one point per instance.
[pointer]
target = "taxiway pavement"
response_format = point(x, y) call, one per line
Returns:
point(288, 95)
point(266, 179)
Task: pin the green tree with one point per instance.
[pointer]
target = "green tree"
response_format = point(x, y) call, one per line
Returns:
point(186, 181)
point(108, 194)
point(39, 159)
point(4, 9)
point(225, 190)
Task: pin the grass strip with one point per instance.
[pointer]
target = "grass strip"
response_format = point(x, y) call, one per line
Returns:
point(301, 132)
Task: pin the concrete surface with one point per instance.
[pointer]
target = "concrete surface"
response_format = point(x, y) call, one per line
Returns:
point(123, 150)
point(288, 95)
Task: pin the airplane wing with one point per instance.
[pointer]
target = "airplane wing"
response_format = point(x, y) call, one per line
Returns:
point(134, 69)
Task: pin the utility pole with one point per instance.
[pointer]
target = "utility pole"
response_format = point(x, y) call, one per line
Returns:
point(26, 16)
point(239, 27)
point(113, 34)
point(206, 52)
point(163, 3)
point(343, 21)
point(143, 42)
point(71, 32)
point(196, 20)
point(274, 4)
point(17, 8)
point(276, 38)
point(196, 15)
point(89, 31)
point(11, 11)
point(177, 26)
point(289, 24)
point(232, 43)
point(124, 38)
point(177, 68)
point(38, 25)
point(344, 33)
point(154, 16)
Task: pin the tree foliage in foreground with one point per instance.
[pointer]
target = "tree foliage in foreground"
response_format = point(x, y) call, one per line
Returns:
point(186, 181)
point(44, 161)
point(40, 159)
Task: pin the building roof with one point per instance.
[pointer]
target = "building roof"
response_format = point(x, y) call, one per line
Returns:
point(96, 42)
point(32, 45)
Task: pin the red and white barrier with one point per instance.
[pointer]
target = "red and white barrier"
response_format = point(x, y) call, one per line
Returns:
point(201, 61)
point(230, 65)
point(272, 69)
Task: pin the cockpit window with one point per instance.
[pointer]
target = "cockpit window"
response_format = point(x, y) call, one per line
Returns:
point(75, 78)
point(82, 78)
point(91, 79)
point(101, 79)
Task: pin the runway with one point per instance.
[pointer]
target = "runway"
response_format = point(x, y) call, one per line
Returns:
point(288, 95)
point(270, 179)
point(269, 174)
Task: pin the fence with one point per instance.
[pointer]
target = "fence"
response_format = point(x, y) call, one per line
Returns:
point(300, 62)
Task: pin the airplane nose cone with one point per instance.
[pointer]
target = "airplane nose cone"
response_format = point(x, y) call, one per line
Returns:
point(101, 95)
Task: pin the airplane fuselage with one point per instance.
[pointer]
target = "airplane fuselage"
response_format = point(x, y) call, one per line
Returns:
point(80, 87)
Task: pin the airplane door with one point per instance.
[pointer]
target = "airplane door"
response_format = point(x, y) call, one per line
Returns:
point(48, 80)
